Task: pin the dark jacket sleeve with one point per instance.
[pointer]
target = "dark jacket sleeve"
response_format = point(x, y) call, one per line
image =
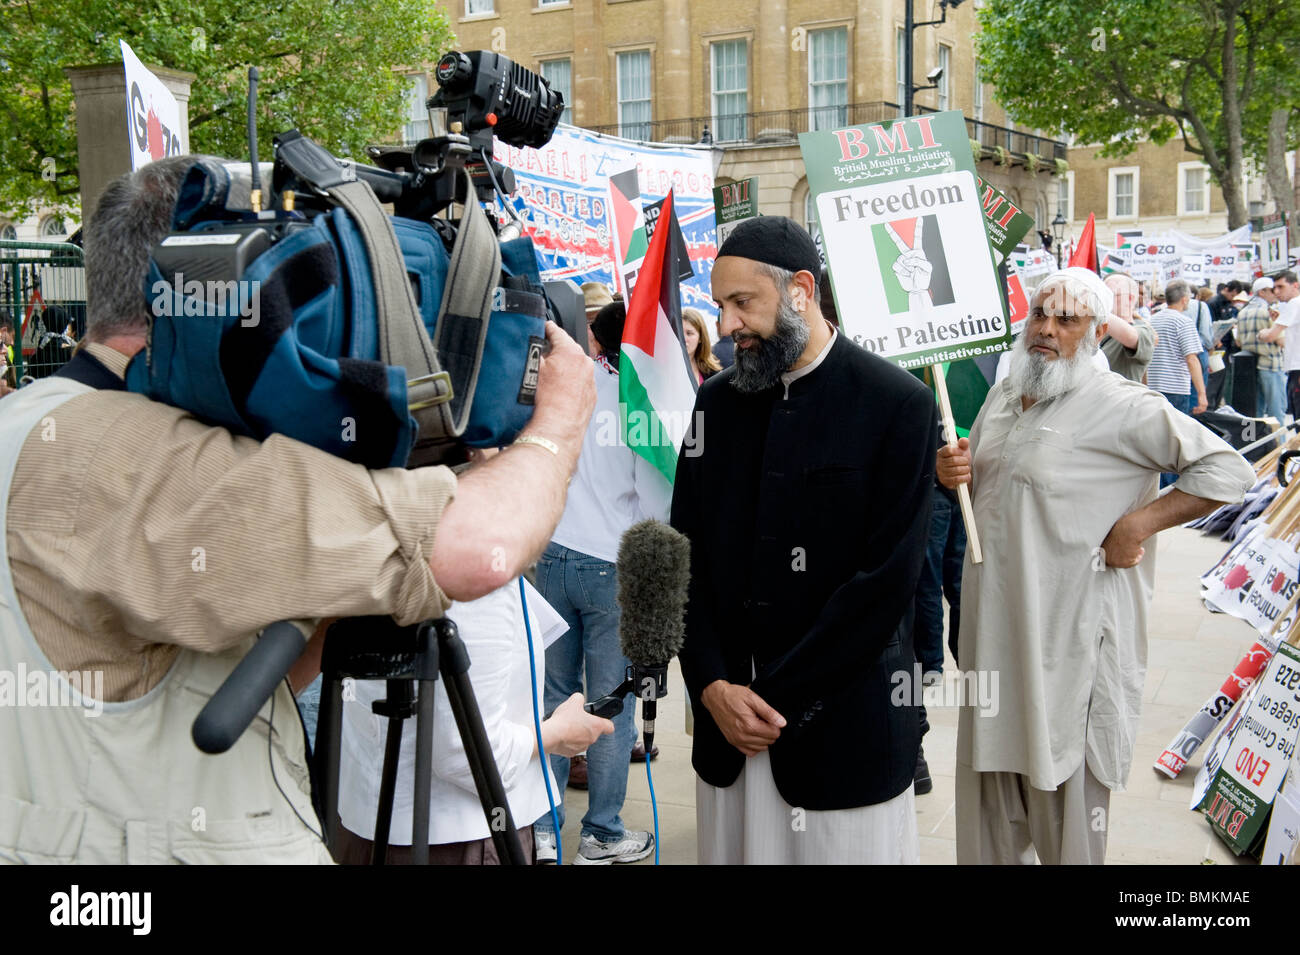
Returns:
point(701, 654)
point(863, 614)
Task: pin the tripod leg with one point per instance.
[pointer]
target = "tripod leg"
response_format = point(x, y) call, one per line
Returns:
point(397, 694)
point(454, 665)
point(329, 733)
point(423, 774)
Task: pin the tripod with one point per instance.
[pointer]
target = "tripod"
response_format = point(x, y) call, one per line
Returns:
point(375, 648)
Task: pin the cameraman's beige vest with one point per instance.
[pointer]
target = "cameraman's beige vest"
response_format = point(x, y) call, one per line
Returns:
point(128, 785)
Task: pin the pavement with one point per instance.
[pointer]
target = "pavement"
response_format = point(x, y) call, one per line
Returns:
point(1190, 651)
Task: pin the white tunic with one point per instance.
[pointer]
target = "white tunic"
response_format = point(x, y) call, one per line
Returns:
point(1065, 635)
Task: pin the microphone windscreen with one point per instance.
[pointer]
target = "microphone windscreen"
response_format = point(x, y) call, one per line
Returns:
point(654, 569)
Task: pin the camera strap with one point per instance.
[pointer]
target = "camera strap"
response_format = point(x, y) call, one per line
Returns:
point(403, 339)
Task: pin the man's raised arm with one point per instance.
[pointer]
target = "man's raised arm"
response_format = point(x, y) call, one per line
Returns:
point(505, 511)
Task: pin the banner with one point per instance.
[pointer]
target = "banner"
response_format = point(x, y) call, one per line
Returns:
point(563, 198)
point(906, 245)
point(734, 203)
point(153, 117)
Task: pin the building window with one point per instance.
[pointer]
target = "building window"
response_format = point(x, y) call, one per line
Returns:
point(559, 74)
point(1065, 196)
point(417, 114)
point(8, 233)
point(1193, 189)
point(552, 3)
point(53, 227)
point(977, 95)
point(828, 78)
point(730, 90)
point(1124, 184)
point(634, 94)
point(900, 57)
point(945, 80)
point(474, 8)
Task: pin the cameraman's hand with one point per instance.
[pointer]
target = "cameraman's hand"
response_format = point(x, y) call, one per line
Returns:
point(571, 729)
point(566, 391)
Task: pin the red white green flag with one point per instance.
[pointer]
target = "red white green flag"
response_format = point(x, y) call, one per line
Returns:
point(656, 393)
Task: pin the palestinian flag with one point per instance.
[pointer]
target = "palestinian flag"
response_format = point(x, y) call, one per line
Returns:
point(655, 388)
point(1085, 251)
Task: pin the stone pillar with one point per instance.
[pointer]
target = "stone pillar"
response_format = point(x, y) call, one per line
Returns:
point(772, 62)
point(674, 97)
point(594, 90)
point(103, 150)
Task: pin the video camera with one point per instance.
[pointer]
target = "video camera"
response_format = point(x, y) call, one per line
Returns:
point(289, 312)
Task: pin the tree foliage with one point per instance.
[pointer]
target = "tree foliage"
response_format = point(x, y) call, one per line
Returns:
point(328, 67)
point(1118, 72)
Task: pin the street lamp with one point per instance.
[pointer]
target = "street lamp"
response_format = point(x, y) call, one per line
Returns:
point(1058, 232)
point(910, 24)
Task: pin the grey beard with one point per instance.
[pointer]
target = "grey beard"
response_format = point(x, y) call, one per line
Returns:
point(1038, 378)
point(761, 366)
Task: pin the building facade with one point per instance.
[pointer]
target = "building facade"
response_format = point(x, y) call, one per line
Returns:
point(750, 75)
point(1155, 188)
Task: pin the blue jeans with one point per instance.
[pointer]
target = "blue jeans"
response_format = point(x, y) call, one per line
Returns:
point(1184, 404)
point(940, 577)
point(582, 589)
point(309, 707)
point(1205, 380)
point(1272, 394)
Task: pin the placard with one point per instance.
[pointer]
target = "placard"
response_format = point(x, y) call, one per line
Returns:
point(1274, 249)
point(1006, 222)
point(1263, 743)
point(1254, 582)
point(906, 246)
point(733, 203)
point(153, 117)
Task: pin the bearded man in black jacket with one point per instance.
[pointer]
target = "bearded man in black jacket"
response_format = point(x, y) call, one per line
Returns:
point(808, 511)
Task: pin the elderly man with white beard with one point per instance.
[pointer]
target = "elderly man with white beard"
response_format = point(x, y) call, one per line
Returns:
point(1063, 463)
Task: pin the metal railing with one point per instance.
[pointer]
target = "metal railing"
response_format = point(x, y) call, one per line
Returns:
point(43, 301)
point(784, 126)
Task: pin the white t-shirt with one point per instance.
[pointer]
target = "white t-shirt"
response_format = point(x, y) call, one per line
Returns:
point(1288, 313)
point(614, 487)
point(492, 628)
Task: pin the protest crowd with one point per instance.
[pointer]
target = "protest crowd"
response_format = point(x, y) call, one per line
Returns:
point(770, 486)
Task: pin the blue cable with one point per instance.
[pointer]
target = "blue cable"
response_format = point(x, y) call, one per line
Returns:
point(654, 806)
point(537, 728)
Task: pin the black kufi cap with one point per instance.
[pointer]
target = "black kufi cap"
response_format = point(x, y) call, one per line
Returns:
point(775, 240)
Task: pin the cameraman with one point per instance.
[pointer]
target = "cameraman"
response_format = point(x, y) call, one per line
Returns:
point(172, 542)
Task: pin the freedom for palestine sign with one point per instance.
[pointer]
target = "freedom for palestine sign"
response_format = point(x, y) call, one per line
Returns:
point(905, 239)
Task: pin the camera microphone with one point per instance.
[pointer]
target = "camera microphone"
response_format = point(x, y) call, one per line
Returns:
point(653, 575)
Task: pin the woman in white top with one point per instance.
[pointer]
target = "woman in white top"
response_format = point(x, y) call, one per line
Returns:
point(493, 630)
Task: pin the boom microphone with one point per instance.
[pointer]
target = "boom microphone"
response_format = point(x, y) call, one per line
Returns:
point(653, 574)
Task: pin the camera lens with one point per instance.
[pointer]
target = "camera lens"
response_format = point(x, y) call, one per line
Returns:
point(453, 71)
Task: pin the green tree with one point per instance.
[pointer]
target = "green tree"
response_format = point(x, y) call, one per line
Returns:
point(1122, 71)
point(331, 68)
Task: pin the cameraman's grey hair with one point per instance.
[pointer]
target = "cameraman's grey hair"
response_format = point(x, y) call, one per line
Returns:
point(133, 214)
point(783, 278)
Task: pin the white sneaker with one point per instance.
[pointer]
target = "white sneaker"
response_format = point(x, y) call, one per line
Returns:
point(543, 847)
point(633, 847)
